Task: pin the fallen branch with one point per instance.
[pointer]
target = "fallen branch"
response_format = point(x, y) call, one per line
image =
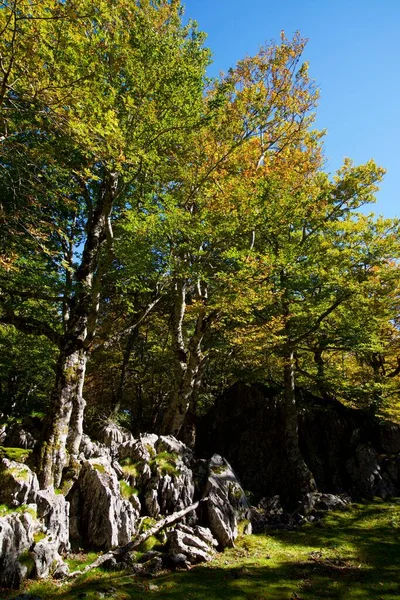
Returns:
point(122, 550)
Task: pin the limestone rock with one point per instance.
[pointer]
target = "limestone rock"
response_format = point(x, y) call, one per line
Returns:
point(168, 443)
point(226, 501)
point(16, 537)
point(112, 434)
point(53, 511)
point(18, 483)
point(19, 436)
point(323, 502)
point(3, 434)
point(99, 516)
point(181, 541)
point(46, 557)
point(90, 449)
point(363, 470)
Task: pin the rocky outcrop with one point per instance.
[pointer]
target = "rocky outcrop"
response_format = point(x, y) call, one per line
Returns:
point(32, 538)
point(347, 450)
point(115, 485)
point(270, 515)
point(99, 516)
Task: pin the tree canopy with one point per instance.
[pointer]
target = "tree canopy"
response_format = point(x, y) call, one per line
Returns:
point(163, 235)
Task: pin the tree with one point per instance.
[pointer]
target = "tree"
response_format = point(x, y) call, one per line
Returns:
point(127, 82)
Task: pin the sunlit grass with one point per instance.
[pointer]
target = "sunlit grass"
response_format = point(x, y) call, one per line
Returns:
point(353, 555)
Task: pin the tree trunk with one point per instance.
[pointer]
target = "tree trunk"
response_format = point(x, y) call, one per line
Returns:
point(299, 479)
point(66, 399)
point(188, 380)
point(187, 371)
point(64, 429)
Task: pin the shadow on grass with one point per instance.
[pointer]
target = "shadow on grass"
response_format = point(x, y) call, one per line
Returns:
point(350, 556)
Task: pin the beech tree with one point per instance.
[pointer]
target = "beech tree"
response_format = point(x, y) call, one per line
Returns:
point(126, 84)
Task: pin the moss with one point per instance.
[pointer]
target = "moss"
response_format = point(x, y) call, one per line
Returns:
point(218, 469)
point(126, 490)
point(165, 463)
point(25, 558)
point(21, 474)
point(149, 544)
point(150, 450)
point(132, 470)
point(9, 510)
point(38, 537)
point(99, 467)
point(146, 524)
point(20, 455)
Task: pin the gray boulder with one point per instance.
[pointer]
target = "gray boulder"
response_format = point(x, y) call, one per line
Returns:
point(184, 541)
point(226, 501)
point(18, 483)
point(53, 511)
point(16, 538)
point(99, 516)
point(364, 472)
point(46, 558)
point(316, 501)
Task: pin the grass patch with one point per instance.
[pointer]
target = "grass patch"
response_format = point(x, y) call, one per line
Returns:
point(17, 454)
point(352, 555)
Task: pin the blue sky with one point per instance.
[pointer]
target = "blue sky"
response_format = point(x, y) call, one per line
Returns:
point(354, 56)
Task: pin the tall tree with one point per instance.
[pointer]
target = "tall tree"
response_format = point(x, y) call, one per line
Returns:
point(126, 85)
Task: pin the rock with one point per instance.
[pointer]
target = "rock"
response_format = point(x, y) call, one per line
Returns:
point(271, 505)
point(46, 557)
point(363, 470)
point(190, 545)
point(204, 533)
point(19, 437)
point(113, 435)
point(176, 561)
point(61, 571)
point(226, 501)
point(151, 498)
point(18, 483)
point(341, 446)
point(99, 516)
point(323, 502)
point(141, 450)
point(3, 434)
point(90, 449)
point(53, 510)
point(389, 437)
point(16, 537)
point(168, 443)
point(175, 490)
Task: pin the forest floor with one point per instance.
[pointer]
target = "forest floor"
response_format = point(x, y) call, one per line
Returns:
point(352, 555)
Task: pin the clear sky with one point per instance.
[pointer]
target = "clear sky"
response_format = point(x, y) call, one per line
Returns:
point(354, 56)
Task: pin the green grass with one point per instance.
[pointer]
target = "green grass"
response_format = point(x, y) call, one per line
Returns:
point(16, 454)
point(352, 555)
